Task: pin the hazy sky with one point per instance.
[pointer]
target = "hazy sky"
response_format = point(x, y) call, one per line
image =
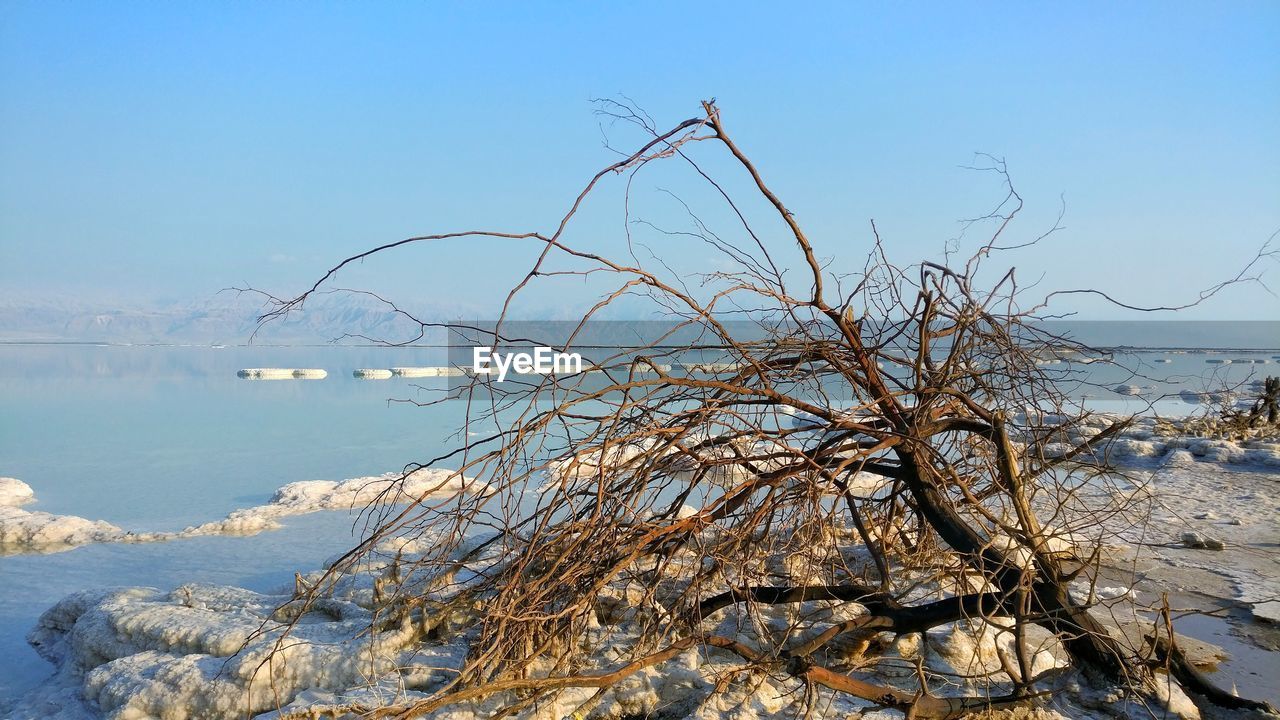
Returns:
point(153, 151)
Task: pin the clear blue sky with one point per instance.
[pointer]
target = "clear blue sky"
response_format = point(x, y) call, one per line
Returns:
point(156, 151)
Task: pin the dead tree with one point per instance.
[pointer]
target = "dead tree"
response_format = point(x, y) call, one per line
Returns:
point(1266, 408)
point(879, 441)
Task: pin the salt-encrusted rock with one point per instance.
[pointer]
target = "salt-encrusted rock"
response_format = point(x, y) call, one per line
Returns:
point(23, 531)
point(1112, 593)
point(1193, 398)
point(1088, 431)
point(1265, 456)
point(1176, 702)
point(307, 496)
point(199, 651)
point(1267, 611)
point(1134, 448)
point(1198, 541)
point(14, 492)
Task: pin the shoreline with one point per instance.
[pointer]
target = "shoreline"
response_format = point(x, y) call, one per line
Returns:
point(1183, 485)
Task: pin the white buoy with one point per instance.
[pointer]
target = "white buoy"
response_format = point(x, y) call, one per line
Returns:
point(371, 374)
point(282, 374)
point(414, 372)
point(421, 372)
point(645, 367)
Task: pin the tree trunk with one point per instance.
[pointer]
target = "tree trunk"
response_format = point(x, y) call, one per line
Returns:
point(1084, 638)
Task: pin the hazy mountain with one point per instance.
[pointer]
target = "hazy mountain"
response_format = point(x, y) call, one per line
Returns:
point(227, 319)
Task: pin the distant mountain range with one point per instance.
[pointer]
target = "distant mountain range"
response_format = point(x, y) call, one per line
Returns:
point(225, 319)
point(232, 319)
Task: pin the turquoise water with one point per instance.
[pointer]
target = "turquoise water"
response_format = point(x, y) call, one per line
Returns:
point(159, 438)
